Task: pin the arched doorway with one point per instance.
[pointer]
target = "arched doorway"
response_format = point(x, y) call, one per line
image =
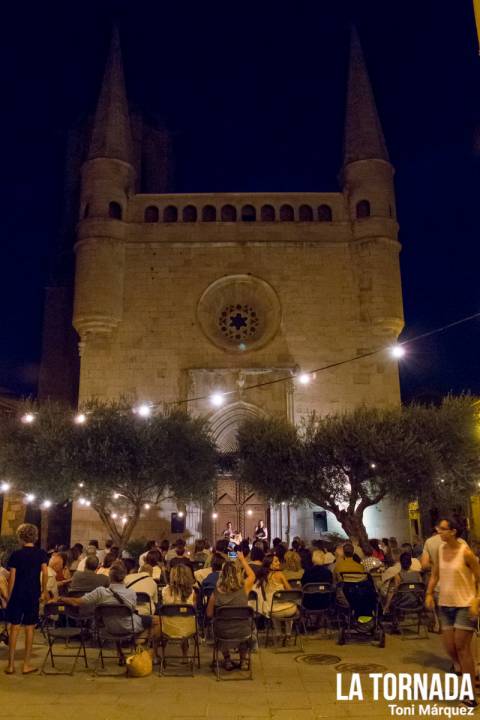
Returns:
point(235, 502)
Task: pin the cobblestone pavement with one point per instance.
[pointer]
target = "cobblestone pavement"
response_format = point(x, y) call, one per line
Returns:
point(287, 684)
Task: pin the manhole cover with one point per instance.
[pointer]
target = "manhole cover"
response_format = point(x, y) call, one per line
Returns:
point(318, 659)
point(361, 669)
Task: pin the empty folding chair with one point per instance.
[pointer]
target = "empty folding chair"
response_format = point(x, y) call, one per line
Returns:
point(68, 633)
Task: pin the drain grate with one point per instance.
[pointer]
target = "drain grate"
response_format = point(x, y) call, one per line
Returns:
point(318, 659)
point(361, 669)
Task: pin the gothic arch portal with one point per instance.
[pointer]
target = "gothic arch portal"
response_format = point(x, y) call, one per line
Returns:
point(225, 422)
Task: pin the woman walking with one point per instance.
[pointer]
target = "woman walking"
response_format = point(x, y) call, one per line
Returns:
point(458, 573)
point(28, 568)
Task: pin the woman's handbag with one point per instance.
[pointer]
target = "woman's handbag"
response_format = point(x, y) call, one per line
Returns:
point(140, 664)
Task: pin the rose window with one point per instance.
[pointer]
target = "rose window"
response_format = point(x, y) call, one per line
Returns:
point(238, 322)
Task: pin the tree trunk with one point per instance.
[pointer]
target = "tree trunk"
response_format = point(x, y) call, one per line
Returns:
point(353, 525)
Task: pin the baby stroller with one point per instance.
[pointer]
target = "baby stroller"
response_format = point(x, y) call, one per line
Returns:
point(360, 617)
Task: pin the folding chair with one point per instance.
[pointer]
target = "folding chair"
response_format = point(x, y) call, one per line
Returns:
point(204, 622)
point(281, 597)
point(184, 612)
point(108, 615)
point(67, 633)
point(222, 637)
point(295, 584)
point(144, 599)
point(412, 594)
point(317, 603)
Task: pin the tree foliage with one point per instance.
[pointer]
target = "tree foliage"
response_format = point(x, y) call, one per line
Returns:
point(114, 453)
point(348, 462)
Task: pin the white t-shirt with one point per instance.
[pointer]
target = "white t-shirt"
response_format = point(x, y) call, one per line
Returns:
point(143, 583)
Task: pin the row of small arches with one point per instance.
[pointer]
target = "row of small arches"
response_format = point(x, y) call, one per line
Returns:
point(228, 213)
point(248, 213)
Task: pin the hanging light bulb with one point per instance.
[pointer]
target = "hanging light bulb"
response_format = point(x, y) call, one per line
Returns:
point(80, 419)
point(5, 486)
point(180, 514)
point(82, 501)
point(46, 504)
point(397, 351)
point(147, 506)
point(373, 466)
point(28, 418)
point(116, 495)
point(124, 520)
point(88, 503)
point(214, 515)
point(217, 399)
point(80, 485)
point(144, 410)
point(114, 516)
point(29, 497)
point(304, 378)
point(249, 512)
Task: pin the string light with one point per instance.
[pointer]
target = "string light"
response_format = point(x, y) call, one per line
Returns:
point(249, 512)
point(114, 516)
point(217, 399)
point(116, 495)
point(373, 466)
point(147, 506)
point(82, 501)
point(88, 503)
point(397, 351)
point(5, 486)
point(28, 418)
point(180, 514)
point(214, 515)
point(80, 419)
point(124, 520)
point(46, 504)
point(143, 410)
point(304, 378)
point(80, 485)
point(29, 497)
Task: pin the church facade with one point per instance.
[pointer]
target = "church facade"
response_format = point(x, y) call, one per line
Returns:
point(178, 297)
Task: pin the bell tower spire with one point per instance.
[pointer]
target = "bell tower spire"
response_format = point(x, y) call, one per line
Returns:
point(111, 135)
point(364, 138)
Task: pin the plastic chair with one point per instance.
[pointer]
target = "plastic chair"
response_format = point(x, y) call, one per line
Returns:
point(222, 638)
point(67, 633)
point(317, 602)
point(281, 597)
point(183, 611)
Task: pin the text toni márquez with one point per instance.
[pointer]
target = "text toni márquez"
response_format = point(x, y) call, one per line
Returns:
point(410, 687)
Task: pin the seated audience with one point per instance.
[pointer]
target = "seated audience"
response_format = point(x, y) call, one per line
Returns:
point(405, 575)
point(292, 568)
point(76, 554)
point(256, 558)
point(305, 557)
point(347, 565)
point(319, 571)
point(108, 561)
point(154, 559)
point(110, 596)
point(59, 564)
point(151, 545)
point(179, 591)
point(269, 581)
point(377, 552)
point(199, 552)
point(91, 550)
point(142, 582)
point(210, 582)
point(87, 580)
point(280, 551)
point(232, 590)
point(370, 562)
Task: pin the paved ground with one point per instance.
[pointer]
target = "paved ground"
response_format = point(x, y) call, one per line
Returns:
point(285, 687)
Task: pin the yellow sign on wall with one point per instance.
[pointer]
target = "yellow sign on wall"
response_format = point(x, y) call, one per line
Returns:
point(413, 510)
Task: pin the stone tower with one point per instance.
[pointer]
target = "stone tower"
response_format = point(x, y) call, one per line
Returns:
point(178, 296)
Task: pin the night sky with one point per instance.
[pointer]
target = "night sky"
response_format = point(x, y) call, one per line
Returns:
point(255, 96)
